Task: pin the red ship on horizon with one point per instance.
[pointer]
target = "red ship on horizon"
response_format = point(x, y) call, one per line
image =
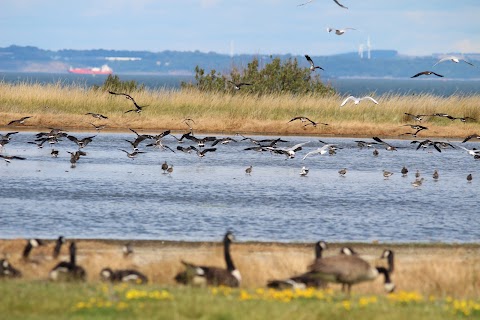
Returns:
point(103, 70)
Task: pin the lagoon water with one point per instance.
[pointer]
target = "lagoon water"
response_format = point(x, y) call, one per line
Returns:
point(350, 86)
point(109, 195)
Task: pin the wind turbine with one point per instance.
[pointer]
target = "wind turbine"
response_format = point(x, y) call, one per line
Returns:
point(360, 50)
point(369, 46)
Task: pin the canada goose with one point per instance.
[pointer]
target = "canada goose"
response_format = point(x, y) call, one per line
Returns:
point(304, 171)
point(312, 65)
point(416, 117)
point(226, 140)
point(309, 122)
point(388, 146)
point(443, 115)
point(58, 246)
point(404, 171)
point(8, 159)
point(357, 100)
point(351, 269)
point(133, 154)
point(31, 243)
point(54, 153)
point(96, 115)
point(127, 249)
point(435, 175)
point(81, 142)
point(417, 183)
point(99, 127)
point(137, 109)
point(18, 121)
point(7, 135)
point(342, 172)
point(68, 270)
point(453, 59)
point(426, 73)
point(7, 270)
point(305, 280)
point(75, 156)
point(216, 276)
point(165, 167)
point(249, 170)
point(387, 174)
point(239, 85)
point(202, 153)
point(187, 122)
point(469, 177)
point(187, 149)
point(472, 136)
point(125, 275)
point(339, 32)
point(465, 119)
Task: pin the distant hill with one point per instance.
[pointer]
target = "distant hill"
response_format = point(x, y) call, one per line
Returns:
point(382, 63)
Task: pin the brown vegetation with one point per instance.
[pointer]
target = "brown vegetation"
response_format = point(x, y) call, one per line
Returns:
point(61, 106)
point(430, 269)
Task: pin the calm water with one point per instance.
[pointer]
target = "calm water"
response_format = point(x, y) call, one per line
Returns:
point(440, 87)
point(111, 196)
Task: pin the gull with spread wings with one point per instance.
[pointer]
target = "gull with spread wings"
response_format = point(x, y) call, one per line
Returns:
point(357, 100)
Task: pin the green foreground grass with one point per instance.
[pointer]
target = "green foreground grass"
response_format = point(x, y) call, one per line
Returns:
point(44, 300)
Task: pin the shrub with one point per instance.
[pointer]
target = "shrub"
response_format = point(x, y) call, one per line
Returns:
point(113, 83)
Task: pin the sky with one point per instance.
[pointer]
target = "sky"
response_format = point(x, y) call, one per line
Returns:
point(412, 27)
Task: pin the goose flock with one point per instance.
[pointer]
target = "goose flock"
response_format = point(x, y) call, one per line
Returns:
point(346, 268)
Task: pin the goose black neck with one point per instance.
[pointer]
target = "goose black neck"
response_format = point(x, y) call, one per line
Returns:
point(27, 250)
point(318, 250)
point(390, 262)
point(228, 258)
point(385, 273)
point(73, 250)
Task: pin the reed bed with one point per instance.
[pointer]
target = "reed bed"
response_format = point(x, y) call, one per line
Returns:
point(58, 105)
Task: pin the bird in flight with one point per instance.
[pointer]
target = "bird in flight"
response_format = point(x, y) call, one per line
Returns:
point(137, 109)
point(357, 100)
point(312, 65)
point(96, 115)
point(132, 155)
point(472, 136)
point(18, 121)
point(309, 122)
point(339, 32)
point(309, 1)
point(238, 86)
point(453, 59)
point(417, 117)
point(9, 158)
point(426, 73)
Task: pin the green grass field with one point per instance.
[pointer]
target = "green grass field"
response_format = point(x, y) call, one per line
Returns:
point(44, 300)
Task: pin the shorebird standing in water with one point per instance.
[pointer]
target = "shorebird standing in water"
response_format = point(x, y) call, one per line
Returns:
point(387, 174)
point(404, 171)
point(469, 177)
point(342, 172)
point(165, 167)
point(435, 175)
point(417, 183)
point(304, 171)
point(249, 170)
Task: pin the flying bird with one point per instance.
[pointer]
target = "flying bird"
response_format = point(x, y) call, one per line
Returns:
point(472, 136)
point(339, 32)
point(357, 100)
point(326, 148)
point(137, 109)
point(133, 154)
point(341, 5)
point(426, 73)
point(453, 59)
point(9, 158)
point(417, 117)
point(96, 115)
point(308, 121)
point(312, 65)
point(238, 86)
point(18, 121)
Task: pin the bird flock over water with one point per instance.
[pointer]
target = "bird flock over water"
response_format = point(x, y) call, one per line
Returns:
point(346, 268)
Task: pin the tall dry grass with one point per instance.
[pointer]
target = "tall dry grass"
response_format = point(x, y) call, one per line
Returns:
point(439, 270)
point(58, 105)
